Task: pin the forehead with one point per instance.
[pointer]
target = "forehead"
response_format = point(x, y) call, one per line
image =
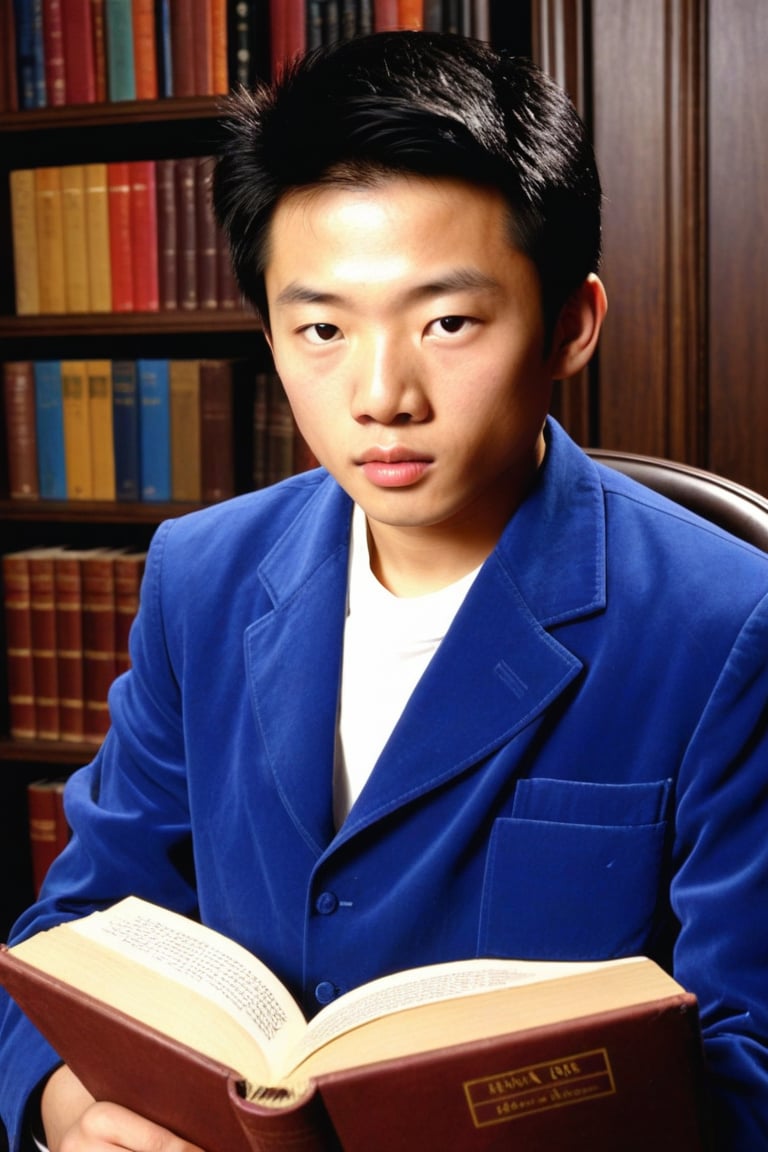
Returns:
point(388, 228)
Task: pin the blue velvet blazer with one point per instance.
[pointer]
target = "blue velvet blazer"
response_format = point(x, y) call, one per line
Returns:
point(582, 771)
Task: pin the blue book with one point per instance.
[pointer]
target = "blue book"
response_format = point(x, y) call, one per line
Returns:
point(49, 427)
point(164, 47)
point(121, 73)
point(154, 429)
point(30, 53)
point(125, 429)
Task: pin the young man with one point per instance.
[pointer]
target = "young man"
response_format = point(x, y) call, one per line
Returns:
point(459, 692)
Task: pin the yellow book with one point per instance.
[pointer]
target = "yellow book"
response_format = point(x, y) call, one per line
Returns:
point(75, 238)
point(77, 429)
point(99, 374)
point(50, 240)
point(24, 230)
point(97, 228)
point(184, 385)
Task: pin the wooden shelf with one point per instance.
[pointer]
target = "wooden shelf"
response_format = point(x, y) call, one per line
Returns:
point(47, 752)
point(128, 323)
point(93, 511)
point(114, 112)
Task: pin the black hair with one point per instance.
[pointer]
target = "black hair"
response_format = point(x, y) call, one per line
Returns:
point(431, 104)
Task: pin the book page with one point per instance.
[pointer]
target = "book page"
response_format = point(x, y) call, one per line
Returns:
point(205, 962)
point(428, 985)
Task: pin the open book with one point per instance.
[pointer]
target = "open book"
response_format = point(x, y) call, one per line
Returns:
point(154, 974)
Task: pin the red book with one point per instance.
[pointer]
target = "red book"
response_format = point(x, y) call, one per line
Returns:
point(288, 34)
point(18, 648)
point(167, 254)
point(68, 598)
point(217, 464)
point(201, 41)
point(80, 66)
point(143, 201)
point(385, 15)
point(129, 569)
point(53, 53)
point(182, 49)
point(20, 429)
point(186, 232)
point(99, 41)
point(477, 1055)
point(120, 246)
point(144, 49)
point(410, 13)
point(9, 92)
point(219, 47)
point(99, 661)
point(44, 659)
point(206, 254)
point(42, 817)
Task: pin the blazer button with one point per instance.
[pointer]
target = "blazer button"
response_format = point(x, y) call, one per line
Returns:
point(325, 992)
point(326, 903)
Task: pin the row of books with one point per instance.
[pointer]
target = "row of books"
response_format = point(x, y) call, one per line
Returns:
point(147, 429)
point(90, 51)
point(124, 236)
point(68, 613)
point(61, 52)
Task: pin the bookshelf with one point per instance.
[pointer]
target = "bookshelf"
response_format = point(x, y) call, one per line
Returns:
point(116, 130)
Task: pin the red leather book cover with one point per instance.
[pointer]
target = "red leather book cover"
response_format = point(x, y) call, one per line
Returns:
point(186, 232)
point(18, 648)
point(41, 821)
point(167, 251)
point(182, 49)
point(53, 53)
point(206, 254)
point(20, 429)
point(144, 236)
point(217, 457)
point(129, 569)
point(99, 662)
point(385, 15)
point(99, 43)
point(44, 661)
point(144, 49)
point(79, 58)
point(9, 93)
point(120, 246)
point(410, 14)
point(68, 599)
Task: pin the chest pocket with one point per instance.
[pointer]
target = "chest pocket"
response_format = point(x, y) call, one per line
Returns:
point(575, 872)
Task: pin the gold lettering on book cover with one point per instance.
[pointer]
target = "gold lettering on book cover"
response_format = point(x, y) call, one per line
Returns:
point(571, 1079)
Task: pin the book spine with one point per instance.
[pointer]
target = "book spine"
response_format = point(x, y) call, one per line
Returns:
point(239, 40)
point(75, 238)
point(206, 255)
point(182, 49)
point(20, 432)
point(201, 12)
point(97, 230)
point(365, 17)
point(98, 579)
point(410, 14)
point(216, 430)
point(144, 49)
point(49, 429)
point(481, 19)
point(164, 47)
point(30, 53)
point(120, 253)
point(44, 662)
point(184, 377)
point(77, 429)
point(440, 15)
point(100, 411)
point(53, 53)
point(18, 648)
point(99, 49)
point(41, 819)
point(24, 241)
point(154, 429)
point(281, 432)
point(129, 569)
point(227, 289)
point(68, 598)
point(125, 429)
point(143, 201)
point(186, 232)
point(9, 75)
point(79, 61)
point(385, 15)
point(121, 76)
point(167, 250)
point(50, 240)
point(219, 47)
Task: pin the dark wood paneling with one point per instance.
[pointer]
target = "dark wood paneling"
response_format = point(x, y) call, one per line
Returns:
point(738, 225)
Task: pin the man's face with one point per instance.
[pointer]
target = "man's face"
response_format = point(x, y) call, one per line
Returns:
point(408, 335)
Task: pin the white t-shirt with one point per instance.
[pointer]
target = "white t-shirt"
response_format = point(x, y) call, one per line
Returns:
point(388, 643)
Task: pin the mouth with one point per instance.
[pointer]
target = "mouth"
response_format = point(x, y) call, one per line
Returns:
point(395, 467)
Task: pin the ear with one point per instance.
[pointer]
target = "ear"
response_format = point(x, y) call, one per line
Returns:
point(578, 329)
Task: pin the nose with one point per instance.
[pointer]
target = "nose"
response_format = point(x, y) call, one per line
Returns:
point(388, 385)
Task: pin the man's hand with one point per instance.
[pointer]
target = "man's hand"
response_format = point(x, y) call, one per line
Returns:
point(74, 1122)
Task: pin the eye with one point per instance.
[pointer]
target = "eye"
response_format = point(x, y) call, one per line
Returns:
point(449, 325)
point(321, 333)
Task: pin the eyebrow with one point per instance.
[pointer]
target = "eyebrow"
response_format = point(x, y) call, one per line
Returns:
point(456, 280)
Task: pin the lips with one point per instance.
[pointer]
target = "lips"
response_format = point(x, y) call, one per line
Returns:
point(395, 467)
